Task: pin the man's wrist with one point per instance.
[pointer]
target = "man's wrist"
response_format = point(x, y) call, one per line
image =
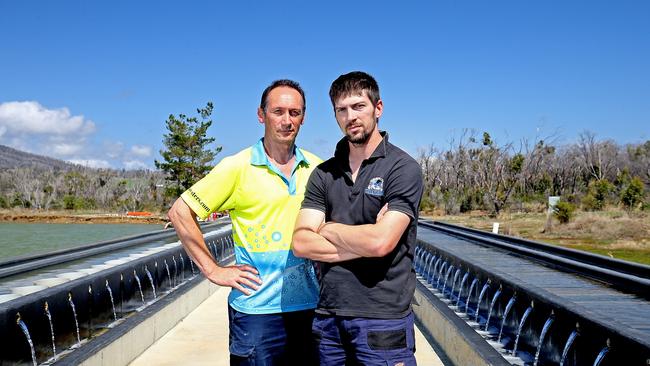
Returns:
point(212, 270)
point(323, 225)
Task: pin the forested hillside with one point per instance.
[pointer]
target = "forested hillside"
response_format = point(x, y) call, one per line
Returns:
point(12, 158)
point(42, 183)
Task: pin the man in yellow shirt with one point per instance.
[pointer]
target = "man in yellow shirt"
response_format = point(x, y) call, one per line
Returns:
point(273, 292)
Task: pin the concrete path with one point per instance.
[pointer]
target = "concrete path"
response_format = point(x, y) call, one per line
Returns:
point(202, 339)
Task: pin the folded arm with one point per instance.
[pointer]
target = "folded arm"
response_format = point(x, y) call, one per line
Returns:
point(308, 243)
point(370, 240)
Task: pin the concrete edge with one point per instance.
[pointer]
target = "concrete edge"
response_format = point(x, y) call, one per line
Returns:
point(132, 342)
point(453, 339)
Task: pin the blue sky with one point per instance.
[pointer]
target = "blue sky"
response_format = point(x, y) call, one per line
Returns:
point(94, 82)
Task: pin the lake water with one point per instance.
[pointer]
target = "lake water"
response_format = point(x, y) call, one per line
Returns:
point(25, 239)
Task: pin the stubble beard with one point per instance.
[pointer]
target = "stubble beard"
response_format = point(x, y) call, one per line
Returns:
point(361, 138)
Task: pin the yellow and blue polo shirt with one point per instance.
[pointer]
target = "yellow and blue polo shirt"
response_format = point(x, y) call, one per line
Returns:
point(263, 206)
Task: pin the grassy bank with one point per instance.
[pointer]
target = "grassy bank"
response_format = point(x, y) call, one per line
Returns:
point(614, 233)
point(77, 217)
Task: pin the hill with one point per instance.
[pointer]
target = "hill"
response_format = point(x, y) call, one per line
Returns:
point(12, 158)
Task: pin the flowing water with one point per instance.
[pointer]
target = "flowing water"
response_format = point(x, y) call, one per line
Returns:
point(153, 286)
point(480, 297)
point(542, 335)
point(49, 319)
point(23, 327)
point(74, 313)
point(567, 346)
point(110, 293)
point(494, 300)
point(505, 315)
point(521, 328)
point(137, 280)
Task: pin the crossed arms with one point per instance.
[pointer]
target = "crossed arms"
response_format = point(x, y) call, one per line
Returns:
point(316, 239)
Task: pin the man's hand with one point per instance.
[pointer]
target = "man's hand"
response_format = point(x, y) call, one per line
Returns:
point(237, 277)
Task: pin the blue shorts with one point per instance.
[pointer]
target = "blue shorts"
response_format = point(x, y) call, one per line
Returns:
point(271, 339)
point(364, 341)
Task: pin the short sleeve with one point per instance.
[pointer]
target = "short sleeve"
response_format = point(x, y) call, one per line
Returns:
point(315, 192)
point(403, 190)
point(215, 191)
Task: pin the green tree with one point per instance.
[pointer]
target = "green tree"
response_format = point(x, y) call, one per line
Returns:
point(632, 195)
point(563, 211)
point(187, 156)
point(597, 195)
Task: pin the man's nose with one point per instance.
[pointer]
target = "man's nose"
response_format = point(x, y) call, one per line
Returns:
point(350, 114)
point(286, 118)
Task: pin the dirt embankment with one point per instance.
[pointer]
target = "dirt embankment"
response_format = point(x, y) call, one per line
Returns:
point(67, 218)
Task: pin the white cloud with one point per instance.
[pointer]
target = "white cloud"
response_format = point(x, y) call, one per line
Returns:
point(56, 132)
point(113, 149)
point(135, 164)
point(141, 150)
point(31, 127)
point(30, 117)
point(66, 149)
point(91, 163)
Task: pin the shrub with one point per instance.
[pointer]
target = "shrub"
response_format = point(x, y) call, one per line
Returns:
point(19, 202)
point(597, 195)
point(68, 202)
point(571, 198)
point(71, 202)
point(645, 206)
point(466, 204)
point(563, 211)
point(83, 203)
point(632, 195)
point(426, 205)
point(3, 202)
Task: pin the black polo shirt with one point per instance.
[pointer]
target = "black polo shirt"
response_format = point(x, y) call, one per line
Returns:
point(368, 287)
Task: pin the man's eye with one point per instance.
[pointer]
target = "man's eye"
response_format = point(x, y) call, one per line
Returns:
point(359, 106)
point(277, 112)
point(295, 113)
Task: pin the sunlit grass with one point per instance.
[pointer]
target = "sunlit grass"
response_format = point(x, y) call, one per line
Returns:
point(614, 233)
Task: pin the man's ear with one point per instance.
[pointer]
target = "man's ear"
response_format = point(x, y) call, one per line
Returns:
point(260, 115)
point(379, 108)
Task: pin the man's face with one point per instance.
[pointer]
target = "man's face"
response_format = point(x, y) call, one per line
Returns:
point(357, 117)
point(283, 115)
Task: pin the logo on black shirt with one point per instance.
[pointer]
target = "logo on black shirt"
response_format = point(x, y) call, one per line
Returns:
point(375, 187)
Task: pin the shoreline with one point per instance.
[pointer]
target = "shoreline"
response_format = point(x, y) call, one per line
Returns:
point(71, 218)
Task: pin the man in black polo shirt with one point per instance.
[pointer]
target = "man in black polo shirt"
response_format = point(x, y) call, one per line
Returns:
point(359, 219)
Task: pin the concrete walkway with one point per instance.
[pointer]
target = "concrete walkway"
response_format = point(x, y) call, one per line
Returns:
point(202, 339)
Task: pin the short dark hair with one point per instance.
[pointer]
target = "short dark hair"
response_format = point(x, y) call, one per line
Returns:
point(283, 82)
point(355, 82)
